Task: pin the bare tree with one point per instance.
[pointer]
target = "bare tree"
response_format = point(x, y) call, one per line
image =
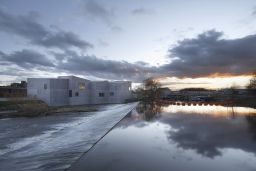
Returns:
point(252, 83)
point(151, 87)
point(149, 90)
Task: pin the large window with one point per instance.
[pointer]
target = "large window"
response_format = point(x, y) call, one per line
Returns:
point(81, 86)
point(45, 86)
point(101, 94)
point(111, 94)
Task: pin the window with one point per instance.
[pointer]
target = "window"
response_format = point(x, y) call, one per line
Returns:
point(70, 93)
point(45, 86)
point(111, 93)
point(101, 94)
point(76, 94)
point(81, 86)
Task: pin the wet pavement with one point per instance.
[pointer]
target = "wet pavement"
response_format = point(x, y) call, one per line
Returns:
point(54, 142)
point(179, 138)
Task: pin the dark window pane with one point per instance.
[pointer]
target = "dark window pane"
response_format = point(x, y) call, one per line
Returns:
point(70, 93)
point(77, 94)
point(101, 94)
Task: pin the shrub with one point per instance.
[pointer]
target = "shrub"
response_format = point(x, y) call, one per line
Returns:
point(33, 108)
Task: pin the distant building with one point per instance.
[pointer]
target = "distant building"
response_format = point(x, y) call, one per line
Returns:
point(71, 90)
point(165, 93)
point(14, 90)
point(197, 92)
point(22, 84)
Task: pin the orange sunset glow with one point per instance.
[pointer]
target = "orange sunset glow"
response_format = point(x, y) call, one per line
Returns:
point(206, 82)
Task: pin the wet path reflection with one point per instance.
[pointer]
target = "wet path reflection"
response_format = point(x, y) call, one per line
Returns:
point(157, 137)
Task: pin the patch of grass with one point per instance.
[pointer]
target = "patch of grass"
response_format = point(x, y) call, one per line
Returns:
point(33, 108)
point(13, 103)
point(69, 109)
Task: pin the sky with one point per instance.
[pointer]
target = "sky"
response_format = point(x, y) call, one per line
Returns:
point(199, 43)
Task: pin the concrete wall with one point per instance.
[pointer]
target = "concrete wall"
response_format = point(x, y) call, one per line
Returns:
point(80, 90)
point(98, 87)
point(35, 88)
point(59, 92)
point(121, 90)
point(52, 91)
point(114, 92)
point(71, 90)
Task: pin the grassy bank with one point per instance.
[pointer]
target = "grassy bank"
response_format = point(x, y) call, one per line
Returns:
point(34, 108)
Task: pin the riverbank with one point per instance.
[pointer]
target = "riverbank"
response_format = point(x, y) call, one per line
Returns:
point(235, 102)
point(35, 108)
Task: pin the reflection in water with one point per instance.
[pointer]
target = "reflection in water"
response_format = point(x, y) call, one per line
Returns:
point(149, 110)
point(210, 110)
point(252, 124)
point(154, 109)
point(183, 138)
point(205, 129)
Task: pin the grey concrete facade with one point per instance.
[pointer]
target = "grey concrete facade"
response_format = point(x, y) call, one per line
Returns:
point(71, 90)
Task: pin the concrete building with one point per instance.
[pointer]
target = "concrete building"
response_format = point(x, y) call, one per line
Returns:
point(14, 90)
point(71, 90)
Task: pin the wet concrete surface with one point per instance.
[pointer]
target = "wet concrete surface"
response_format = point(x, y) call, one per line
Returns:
point(54, 142)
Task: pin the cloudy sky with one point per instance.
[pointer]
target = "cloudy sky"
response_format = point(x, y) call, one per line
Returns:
point(200, 43)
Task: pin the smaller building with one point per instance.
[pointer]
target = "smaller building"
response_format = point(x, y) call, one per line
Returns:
point(14, 90)
point(165, 93)
point(71, 90)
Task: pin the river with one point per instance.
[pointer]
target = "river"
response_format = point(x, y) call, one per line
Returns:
point(54, 142)
point(180, 138)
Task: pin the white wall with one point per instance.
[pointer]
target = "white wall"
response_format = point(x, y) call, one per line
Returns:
point(83, 94)
point(99, 87)
point(35, 88)
point(57, 91)
point(54, 94)
point(120, 91)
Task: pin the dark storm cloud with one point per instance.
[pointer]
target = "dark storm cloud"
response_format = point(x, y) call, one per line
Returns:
point(72, 63)
point(204, 55)
point(209, 53)
point(28, 28)
point(97, 11)
point(103, 68)
point(25, 59)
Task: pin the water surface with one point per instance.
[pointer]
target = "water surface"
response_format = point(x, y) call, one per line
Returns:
point(179, 138)
point(54, 142)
